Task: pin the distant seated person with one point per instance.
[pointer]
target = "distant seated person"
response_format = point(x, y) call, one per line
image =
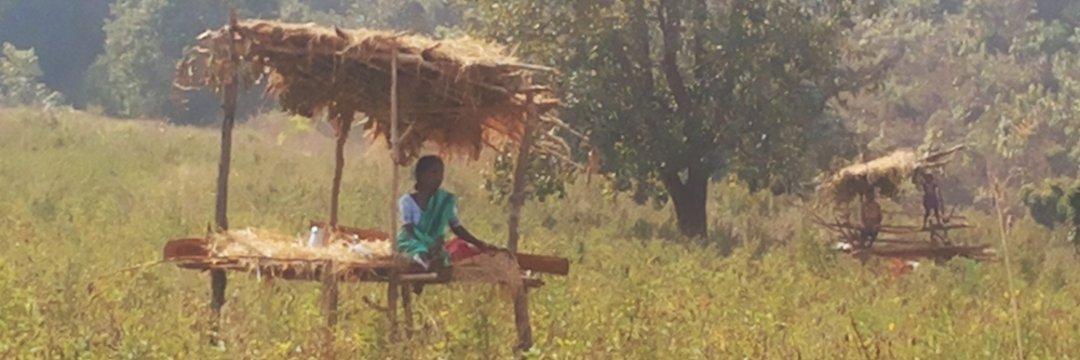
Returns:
point(871, 219)
point(426, 212)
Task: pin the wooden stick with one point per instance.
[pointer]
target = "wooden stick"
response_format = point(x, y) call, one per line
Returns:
point(528, 67)
point(392, 287)
point(419, 277)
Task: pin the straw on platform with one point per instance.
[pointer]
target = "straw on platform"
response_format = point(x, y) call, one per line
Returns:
point(256, 247)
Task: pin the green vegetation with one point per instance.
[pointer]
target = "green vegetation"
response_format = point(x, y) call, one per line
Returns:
point(85, 197)
point(674, 93)
point(703, 103)
point(20, 80)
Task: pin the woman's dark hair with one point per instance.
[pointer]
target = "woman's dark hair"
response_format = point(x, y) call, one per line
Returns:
point(426, 163)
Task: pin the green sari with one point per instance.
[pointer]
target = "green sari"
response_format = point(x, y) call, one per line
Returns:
point(427, 236)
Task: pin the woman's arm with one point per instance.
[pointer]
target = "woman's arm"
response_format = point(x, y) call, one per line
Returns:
point(464, 234)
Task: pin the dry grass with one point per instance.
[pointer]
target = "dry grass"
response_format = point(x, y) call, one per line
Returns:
point(256, 243)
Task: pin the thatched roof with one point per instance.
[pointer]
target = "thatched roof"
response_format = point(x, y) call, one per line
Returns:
point(886, 174)
point(460, 94)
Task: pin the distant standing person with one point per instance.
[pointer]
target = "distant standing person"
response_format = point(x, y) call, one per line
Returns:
point(931, 198)
point(871, 219)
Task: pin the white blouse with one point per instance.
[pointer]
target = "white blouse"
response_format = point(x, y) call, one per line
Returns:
point(411, 212)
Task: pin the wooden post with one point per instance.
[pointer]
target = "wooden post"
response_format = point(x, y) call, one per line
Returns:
point(343, 123)
point(517, 200)
point(330, 295)
point(218, 279)
point(395, 153)
point(406, 306)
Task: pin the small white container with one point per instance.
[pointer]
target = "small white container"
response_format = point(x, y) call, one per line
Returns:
point(315, 237)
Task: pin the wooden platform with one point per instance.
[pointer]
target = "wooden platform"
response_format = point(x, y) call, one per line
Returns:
point(193, 253)
point(928, 251)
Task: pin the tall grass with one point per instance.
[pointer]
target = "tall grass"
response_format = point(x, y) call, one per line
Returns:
point(83, 197)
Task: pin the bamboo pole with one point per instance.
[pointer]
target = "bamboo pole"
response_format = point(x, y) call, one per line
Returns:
point(218, 279)
point(517, 200)
point(392, 287)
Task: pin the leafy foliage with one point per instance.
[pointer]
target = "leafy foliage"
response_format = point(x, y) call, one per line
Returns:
point(20, 80)
point(546, 177)
point(1047, 203)
point(675, 92)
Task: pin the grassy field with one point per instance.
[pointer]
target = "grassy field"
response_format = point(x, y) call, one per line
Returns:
point(84, 197)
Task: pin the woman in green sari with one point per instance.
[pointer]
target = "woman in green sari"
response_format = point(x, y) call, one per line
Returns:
point(426, 212)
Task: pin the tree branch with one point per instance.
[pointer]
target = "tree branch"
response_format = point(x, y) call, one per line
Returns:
point(672, 34)
point(701, 18)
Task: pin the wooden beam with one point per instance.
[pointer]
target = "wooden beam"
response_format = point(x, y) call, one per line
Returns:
point(544, 264)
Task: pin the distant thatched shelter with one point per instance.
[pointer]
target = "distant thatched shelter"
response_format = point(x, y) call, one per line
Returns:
point(459, 94)
point(885, 174)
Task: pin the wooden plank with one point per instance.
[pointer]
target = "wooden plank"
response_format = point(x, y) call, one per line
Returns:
point(185, 248)
point(542, 263)
point(945, 251)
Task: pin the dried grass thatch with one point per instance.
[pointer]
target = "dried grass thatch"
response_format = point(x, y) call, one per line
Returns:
point(885, 174)
point(459, 94)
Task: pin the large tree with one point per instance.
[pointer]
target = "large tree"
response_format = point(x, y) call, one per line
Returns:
point(675, 92)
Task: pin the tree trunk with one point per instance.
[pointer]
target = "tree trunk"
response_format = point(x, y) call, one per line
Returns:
point(690, 210)
point(689, 198)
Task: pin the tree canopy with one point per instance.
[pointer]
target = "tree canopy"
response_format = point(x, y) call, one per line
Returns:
point(673, 93)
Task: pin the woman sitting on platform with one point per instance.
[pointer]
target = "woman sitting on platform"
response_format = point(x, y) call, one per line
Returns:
point(425, 213)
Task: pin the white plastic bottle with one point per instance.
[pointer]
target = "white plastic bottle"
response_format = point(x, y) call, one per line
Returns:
point(315, 239)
